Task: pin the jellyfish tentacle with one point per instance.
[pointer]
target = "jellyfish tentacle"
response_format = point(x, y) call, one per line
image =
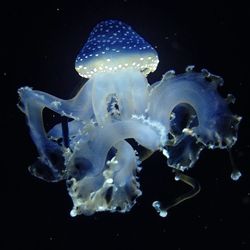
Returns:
point(162, 209)
point(236, 174)
point(189, 181)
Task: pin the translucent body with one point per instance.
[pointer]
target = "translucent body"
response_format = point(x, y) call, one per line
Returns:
point(97, 162)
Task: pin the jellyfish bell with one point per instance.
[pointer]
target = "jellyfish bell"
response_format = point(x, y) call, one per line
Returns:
point(113, 46)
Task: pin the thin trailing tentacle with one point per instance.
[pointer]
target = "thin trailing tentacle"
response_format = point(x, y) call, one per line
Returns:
point(162, 209)
point(236, 174)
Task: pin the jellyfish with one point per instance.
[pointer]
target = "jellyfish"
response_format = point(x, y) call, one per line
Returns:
point(117, 120)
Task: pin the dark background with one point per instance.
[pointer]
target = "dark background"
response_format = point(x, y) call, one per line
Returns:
point(40, 44)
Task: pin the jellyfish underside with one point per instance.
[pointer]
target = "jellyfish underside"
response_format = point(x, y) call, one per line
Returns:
point(101, 136)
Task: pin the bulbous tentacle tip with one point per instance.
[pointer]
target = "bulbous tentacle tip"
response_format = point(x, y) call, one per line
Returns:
point(159, 209)
point(235, 175)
